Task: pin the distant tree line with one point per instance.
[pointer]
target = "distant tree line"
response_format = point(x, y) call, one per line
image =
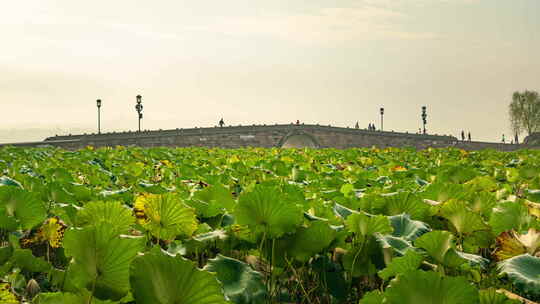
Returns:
point(524, 112)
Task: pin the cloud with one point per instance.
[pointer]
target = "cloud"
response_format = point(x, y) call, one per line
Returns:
point(325, 26)
point(364, 20)
point(398, 3)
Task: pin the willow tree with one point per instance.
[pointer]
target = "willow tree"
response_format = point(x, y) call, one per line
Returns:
point(525, 112)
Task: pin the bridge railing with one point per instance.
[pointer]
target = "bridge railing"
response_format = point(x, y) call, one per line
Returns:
point(244, 128)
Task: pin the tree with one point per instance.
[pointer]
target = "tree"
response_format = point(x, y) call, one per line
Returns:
point(525, 112)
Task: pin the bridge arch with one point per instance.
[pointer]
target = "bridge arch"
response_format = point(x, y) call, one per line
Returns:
point(298, 139)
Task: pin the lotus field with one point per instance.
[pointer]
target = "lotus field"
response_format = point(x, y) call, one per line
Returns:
point(201, 226)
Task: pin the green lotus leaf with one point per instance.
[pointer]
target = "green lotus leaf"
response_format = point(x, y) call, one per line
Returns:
point(407, 228)
point(7, 181)
point(176, 247)
point(152, 188)
point(24, 259)
point(58, 193)
point(111, 213)
point(214, 235)
point(398, 244)
point(404, 202)
point(212, 200)
point(510, 215)
point(372, 297)
point(511, 175)
point(82, 297)
point(80, 192)
point(343, 211)
point(227, 220)
point(430, 287)
point(158, 278)
point(101, 259)
point(524, 272)
point(421, 182)
point(265, 211)
point(410, 261)
point(482, 203)
point(124, 194)
point(20, 208)
point(165, 216)
point(436, 243)
point(472, 259)
point(463, 219)
point(366, 225)
point(312, 218)
point(59, 174)
point(529, 172)
point(482, 183)
point(8, 223)
point(347, 189)
point(308, 241)
point(533, 195)
point(364, 259)
point(491, 296)
point(241, 284)
point(457, 174)
point(405, 231)
point(5, 253)
point(440, 246)
point(442, 192)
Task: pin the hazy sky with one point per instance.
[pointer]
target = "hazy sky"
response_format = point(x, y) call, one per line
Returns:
point(268, 61)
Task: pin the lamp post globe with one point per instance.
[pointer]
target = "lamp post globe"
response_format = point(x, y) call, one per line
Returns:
point(139, 108)
point(382, 118)
point(98, 104)
point(424, 117)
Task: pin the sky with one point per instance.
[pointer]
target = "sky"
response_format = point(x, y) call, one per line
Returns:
point(264, 62)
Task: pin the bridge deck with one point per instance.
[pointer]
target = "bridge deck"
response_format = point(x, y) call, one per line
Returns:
point(265, 136)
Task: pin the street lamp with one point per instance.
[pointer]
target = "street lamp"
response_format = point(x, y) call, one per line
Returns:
point(98, 104)
point(139, 108)
point(424, 118)
point(382, 119)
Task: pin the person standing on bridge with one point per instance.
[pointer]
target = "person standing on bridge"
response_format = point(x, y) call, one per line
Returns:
point(221, 123)
point(516, 139)
point(503, 139)
point(356, 126)
point(469, 135)
point(462, 135)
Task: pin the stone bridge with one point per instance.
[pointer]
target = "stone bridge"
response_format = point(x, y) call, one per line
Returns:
point(286, 136)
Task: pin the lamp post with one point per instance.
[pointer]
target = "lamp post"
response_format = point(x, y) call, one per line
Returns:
point(424, 118)
point(139, 108)
point(98, 104)
point(382, 118)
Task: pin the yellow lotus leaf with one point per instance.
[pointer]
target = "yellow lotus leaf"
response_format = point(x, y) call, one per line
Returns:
point(52, 232)
point(6, 296)
point(510, 244)
point(399, 168)
point(534, 208)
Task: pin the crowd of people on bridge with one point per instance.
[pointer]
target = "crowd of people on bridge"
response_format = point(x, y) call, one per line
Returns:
point(371, 127)
point(463, 135)
point(513, 141)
